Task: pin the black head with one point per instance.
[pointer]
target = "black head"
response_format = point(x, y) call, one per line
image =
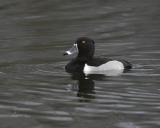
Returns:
point(84, 46)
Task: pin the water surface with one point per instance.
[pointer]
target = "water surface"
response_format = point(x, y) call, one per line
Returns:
point(35, 90)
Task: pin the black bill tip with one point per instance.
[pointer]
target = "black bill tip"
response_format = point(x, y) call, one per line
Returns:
point(64, 54)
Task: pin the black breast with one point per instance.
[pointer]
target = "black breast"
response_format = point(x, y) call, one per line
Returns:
point(74, 66)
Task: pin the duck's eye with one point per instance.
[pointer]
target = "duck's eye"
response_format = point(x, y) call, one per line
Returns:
point(83, 42)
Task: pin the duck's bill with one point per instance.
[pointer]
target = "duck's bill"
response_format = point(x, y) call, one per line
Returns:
point(71, 51)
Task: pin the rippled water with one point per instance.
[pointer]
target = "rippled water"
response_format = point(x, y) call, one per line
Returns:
point(36, 92)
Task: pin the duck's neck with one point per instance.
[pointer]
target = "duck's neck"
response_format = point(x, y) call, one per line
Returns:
point(84, 59)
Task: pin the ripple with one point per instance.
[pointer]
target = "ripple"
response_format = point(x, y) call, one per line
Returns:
point(29, 103)
point(116, 105)
point(14, 116)
point(14, 108)
point(138, 112)
point(51, 118)
point(153, 122)
point(143, 74)
point(149, 52)
point(128, 125)
point(92, 110)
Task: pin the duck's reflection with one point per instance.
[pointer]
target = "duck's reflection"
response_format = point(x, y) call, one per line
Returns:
point(85, 86)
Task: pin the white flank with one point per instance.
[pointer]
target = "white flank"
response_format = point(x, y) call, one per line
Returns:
point(111, 68)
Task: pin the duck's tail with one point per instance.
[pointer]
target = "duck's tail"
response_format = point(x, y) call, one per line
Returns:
point(127, 65)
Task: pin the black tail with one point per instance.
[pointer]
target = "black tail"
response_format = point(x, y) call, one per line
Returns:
point(127, 65)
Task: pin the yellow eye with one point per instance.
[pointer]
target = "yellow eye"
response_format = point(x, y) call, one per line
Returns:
point(83, 42)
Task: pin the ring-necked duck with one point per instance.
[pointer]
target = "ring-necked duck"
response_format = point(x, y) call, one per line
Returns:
point(86, 62)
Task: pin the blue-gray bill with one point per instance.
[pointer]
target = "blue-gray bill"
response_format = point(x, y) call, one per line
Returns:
point(72, 50)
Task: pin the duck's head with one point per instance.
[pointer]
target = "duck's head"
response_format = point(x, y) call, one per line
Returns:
point(84, 46)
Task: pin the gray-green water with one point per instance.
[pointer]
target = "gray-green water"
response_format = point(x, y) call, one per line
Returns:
point(35, 90)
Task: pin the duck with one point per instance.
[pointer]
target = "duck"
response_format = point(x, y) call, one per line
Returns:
point(86, 63)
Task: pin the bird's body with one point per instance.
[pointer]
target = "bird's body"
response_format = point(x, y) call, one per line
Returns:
point(86, 62)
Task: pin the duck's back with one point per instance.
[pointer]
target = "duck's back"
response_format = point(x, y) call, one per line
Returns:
point(106, 66)
point(100, 61)
point(97, 63)
point(102, 64)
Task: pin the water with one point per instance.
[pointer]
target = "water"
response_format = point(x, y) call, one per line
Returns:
point(35, 90)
